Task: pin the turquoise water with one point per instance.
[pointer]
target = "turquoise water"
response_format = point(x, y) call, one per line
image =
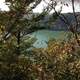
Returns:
point(45, 35)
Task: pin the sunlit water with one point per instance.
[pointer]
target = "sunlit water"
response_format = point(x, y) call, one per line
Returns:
point(44, 36)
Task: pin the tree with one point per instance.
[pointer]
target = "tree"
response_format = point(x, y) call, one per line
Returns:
point(12, 46)
point(14, 22)
point(39, 63)
point(72, 27)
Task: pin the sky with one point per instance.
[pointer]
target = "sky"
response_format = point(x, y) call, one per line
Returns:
point(65, 9)
point(40, 7)
point(3, 6)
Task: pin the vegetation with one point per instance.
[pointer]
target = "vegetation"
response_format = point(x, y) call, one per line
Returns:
point(19, 60)
point(60, 60)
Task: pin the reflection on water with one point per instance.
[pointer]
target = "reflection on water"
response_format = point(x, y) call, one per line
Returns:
point(45, 35)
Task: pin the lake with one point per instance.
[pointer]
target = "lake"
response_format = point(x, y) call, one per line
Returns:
point(45, 35)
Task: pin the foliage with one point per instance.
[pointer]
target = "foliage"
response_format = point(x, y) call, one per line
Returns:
point(59, 61)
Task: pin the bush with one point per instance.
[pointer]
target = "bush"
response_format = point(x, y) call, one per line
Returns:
point(59, 61)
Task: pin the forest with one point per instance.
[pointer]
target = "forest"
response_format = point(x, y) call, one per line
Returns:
point(21, 60)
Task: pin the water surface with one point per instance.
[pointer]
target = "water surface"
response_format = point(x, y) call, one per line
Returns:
point(45, 35)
